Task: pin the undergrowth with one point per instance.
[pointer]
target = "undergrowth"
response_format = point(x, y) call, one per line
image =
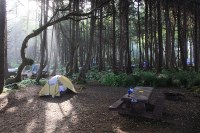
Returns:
point(183, 79)
point(24, 83)
point(168, 78)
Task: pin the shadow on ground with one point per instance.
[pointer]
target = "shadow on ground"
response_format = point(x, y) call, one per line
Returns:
point(24, 112)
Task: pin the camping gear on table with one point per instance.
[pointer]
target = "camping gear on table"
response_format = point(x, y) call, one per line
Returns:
point(56, 85)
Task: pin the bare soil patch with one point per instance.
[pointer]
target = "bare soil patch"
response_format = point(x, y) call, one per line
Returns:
point(24, 112)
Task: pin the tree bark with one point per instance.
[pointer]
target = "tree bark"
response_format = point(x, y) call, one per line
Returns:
point(82, 75)
point(43, 45)
point(151, 34)
point(122, 36)
point(139, 36)
point(113, 37)
point(72, 44)
point(195, 46)
point(2, 41)
point(6, 52)
point(128, 53)
point(77, 36)
point(100, 40)
point(160, 45)
point(168, 35)
point(155, 38)
point(124, 52)
point(182, 46)
point(146, 32)
point(173, 56)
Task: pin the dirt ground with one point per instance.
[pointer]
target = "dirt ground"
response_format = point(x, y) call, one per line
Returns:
point(24, 112)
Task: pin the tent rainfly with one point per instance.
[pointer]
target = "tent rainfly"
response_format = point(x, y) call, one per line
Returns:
point(55, 85)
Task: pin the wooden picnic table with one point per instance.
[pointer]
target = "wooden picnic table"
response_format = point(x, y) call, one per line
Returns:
point(137, 104)
point(140, 94)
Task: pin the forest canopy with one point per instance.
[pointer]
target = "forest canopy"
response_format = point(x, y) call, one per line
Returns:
point(118, 34)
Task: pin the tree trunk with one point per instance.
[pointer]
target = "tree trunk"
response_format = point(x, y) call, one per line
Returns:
point(155, 38)
point(81, 53)
point(128, 53)
point(2, 41)
point(114, 41)
point(182, 46)
point(83, 71)
point(6, 52)
point(160, 45)
point(173, 56)
point(100, 40)
point(146, 32)
point(185, 40)
point(139, 36)
point(124, 37)
point(121, 38)
point(43, 46)
point(151, 35)
point(72, 44)
point(168, 35)
point(77, 36)
point(196, 47)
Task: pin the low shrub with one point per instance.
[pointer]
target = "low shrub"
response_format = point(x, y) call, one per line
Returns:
point(109, 79)
point(94, 75)
point(26, 82)
point(163, 80)
point(185, 79)
point(29, 82)
point(147, 78)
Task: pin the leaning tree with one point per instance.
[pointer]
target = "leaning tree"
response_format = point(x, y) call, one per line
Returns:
point(52, 21)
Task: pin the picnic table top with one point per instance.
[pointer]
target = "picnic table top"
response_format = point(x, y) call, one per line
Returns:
point(140, 94)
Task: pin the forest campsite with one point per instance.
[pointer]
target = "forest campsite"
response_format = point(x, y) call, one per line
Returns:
point(102, 66)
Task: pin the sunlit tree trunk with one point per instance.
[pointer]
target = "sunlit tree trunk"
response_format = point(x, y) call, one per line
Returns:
point(55, 49)
point(35, 49)
point(6, 52)
point(63, 48)
point(72, 43)
point(43, 47)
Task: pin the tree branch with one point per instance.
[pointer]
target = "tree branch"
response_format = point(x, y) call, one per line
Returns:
point(26, 61)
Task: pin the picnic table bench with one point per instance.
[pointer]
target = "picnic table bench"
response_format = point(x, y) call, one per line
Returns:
point(137, 104)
